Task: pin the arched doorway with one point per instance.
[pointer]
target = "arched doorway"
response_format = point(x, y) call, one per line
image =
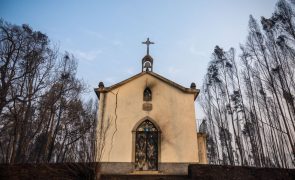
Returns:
point(146, 147)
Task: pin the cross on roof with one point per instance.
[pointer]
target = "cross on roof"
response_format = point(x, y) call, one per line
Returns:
point(148, 42)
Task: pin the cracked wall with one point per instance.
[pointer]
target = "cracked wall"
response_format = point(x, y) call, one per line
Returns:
point(172, 110)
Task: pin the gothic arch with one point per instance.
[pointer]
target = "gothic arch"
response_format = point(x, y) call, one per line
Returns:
point(142, 120)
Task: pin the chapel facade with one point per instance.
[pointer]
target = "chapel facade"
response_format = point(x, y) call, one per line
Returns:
point(147, 124)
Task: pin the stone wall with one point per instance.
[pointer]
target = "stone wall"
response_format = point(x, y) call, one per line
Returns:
point(48, 171)
point(208, 172)
point(86, 171)
point(128, 168)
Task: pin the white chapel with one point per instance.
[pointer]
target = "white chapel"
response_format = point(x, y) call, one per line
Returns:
point(147, 124)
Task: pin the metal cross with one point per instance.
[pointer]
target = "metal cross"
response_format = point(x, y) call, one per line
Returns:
point(148, 42)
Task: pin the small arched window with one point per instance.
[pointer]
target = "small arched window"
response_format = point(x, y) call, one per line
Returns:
point(147, 94)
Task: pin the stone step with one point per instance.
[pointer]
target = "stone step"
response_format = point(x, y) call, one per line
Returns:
point(144, 177)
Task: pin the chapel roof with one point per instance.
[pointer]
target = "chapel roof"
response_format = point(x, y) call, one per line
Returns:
point(163, 79)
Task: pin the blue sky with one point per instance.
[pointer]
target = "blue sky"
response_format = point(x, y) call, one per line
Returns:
point(106, 36)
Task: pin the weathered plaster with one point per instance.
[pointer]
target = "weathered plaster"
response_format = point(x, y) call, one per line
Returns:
point(202, 148)
point(173, 111)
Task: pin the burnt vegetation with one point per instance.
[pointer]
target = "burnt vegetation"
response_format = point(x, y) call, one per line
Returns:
point(43, 118)
point(249, 99)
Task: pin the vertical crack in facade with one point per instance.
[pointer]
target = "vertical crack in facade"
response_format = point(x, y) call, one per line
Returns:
point(115, 121)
